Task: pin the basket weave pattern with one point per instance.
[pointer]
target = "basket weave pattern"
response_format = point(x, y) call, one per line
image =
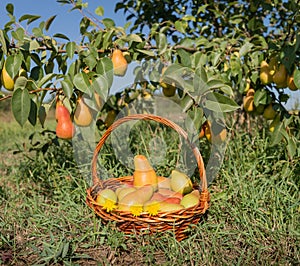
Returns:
point(177, 221)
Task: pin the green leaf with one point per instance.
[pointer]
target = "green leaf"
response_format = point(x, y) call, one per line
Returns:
point(21, 105)
point(10, 9)
point(13, 64)
point(161, 43)
point(33, 113)
point(49, 22)
point(3, 42)
point(29, 18)
point(99, 11)
point(260, 97)
point(108, 23)
point(18, 34)
point(101, 86)
point(185, 59)
point(82, 83)
point(67, 87)
point(61, 36)
point(146, 52)
point(71, 48)
point(134, 38)
point(105, 68)
point(180, 26)
point(107, 39)
point(45, 79)
point(37, 32)
point(21, 82)
point(219, 84)
point(200, 81)
point(42, 115)
point(297, 78)
point(246, 48)
point(219, 103)
point(34, 45)
point(182, 76)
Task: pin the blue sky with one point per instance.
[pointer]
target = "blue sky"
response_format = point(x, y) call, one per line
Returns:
point(66, 22)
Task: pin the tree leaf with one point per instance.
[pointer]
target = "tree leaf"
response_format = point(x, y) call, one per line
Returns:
point(10, 9)
point(71, 48)
point(21, 105)
point(32, 118)
point(105, 68)
point(61, 36)
point(146, 52)
point(49, 22)
point(108, 23)
point(82, 83)
point(134, 38)
point(219, 103)
point(99, 11)
point(21, 82)
point(297, 78)
point(13, 64)
point(200, 81)
point(18, 34)
point(101, 86)
point(45, 79)
point(184, 56)
point(246, 48)
point(67, 87)
point(42, 115)
point(3, 42)
point(29, 18)
point(260, 97)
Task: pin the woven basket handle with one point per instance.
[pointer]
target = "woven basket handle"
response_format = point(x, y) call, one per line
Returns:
point(159, 119)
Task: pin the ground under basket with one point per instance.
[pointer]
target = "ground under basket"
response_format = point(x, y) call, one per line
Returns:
point(176, 221)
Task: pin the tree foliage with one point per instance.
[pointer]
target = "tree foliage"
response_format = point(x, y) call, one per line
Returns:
point(210, 50)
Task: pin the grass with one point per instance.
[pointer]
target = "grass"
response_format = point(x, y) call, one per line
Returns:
point(253, 219)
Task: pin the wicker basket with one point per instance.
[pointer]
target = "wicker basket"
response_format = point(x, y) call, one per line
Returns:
point(177, 221)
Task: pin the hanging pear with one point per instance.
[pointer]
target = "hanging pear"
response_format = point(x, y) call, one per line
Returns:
point(83, 115)
point(119, 63)
point(65, 128)
point(7, 81)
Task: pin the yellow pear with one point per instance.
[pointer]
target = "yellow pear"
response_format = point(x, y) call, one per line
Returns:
point(265, 76)
point(119, 63)
point(189, 200)
point(180, 182)
point(123, 191)
point(169, 207)
point(290, 83)
point(7, 82)
point(250, 92)
point(106, 194)
point(136, 198)
point(269, 112)
point(248, 103)
point(280, 75)
point(83, 115)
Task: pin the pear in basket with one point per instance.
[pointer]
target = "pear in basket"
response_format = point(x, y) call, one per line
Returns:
point(143, 173)
point(180, 182)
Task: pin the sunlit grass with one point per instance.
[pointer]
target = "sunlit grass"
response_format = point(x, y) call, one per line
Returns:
point(253, 218)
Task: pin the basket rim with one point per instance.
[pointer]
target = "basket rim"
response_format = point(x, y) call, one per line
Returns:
point(149, 117)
